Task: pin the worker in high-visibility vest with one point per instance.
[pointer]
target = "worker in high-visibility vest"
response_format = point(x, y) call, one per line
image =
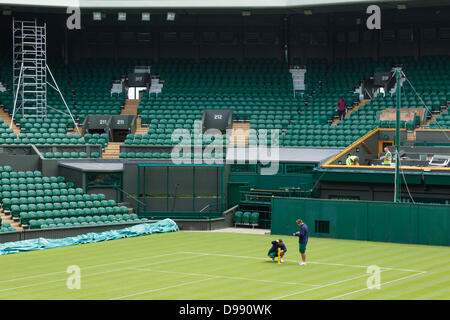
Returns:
point(387, 157)
point(352, 161)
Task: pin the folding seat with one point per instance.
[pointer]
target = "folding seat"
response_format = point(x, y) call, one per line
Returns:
point(237, 217)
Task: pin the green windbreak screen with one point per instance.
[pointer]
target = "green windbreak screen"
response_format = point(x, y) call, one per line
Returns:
point(364, 220)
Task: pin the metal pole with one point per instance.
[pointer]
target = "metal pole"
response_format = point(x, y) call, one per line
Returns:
point(193, 188)
point(138, 188)
point(15, 98)
point(167, 189)
point(144, 207)
point(223, 190)
point(62, 97)
point(397, 138)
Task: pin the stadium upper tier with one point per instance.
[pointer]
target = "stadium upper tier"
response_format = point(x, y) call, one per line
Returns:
point(259, 91)
point(185, 4)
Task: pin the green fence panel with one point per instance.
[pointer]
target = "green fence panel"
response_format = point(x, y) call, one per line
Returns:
point(378, 221)
point(434, 225)
point(400, 223)
point(293, 209)
point(364, 220)
point(351, 220)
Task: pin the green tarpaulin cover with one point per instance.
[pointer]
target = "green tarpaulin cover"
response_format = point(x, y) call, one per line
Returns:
point(166, 225)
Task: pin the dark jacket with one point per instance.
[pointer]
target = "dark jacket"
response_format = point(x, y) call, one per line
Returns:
point(302, 234)
point(275, 247)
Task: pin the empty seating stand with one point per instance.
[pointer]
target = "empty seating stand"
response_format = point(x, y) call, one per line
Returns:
point(50, 202)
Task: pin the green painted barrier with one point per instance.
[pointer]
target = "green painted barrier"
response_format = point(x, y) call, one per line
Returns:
point(364, 220)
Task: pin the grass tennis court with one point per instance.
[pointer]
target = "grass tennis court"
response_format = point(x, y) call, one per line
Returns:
point(226, 266)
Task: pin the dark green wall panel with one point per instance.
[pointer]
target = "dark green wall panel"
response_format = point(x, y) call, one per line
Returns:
point(433, 225)
point(400, 223)
point(365, 220)
point(378, 216)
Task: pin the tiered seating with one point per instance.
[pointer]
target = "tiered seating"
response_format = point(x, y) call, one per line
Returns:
point(256, 90)
point(166, 155)
point(70, 155)
point(442, 121)
point(91, 82)
point(190, 87)
point(85, 87)
point(325, 85)
point(429, 76)
point(96, 138)
point(51, 202)
point(6, 227)
point(6, 132)
point(46, 131)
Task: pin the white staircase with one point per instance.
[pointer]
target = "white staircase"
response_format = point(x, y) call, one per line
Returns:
point(298, 78)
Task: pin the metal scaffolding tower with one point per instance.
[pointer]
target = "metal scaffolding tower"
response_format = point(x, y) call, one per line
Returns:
point(30, 71)
point(29, 68)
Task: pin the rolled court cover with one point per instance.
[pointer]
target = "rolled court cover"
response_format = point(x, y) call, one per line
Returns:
point(163, 226)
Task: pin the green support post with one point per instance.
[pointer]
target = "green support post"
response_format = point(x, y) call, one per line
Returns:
point(138, 189)
point(397, 138)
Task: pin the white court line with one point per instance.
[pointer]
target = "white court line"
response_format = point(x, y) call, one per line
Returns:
point(399, 279)
point(322, 286)
point(89, 267)
point(159, 289)
point(226, 277)
point(333, 264)
point(309, 262)
point(88, 275)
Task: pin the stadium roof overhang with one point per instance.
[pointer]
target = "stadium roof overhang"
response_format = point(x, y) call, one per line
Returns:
point(217, 6)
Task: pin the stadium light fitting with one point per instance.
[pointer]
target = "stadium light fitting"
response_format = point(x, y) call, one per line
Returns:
point(96, 16)
point(170, 16)
point(307, 12)
point(122, 16)
point(401, 6)
point(145, 16)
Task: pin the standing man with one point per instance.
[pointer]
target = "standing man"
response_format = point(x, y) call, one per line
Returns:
point(302, 240)
point(387, 157)
point(273, 252)
point(341, 106)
